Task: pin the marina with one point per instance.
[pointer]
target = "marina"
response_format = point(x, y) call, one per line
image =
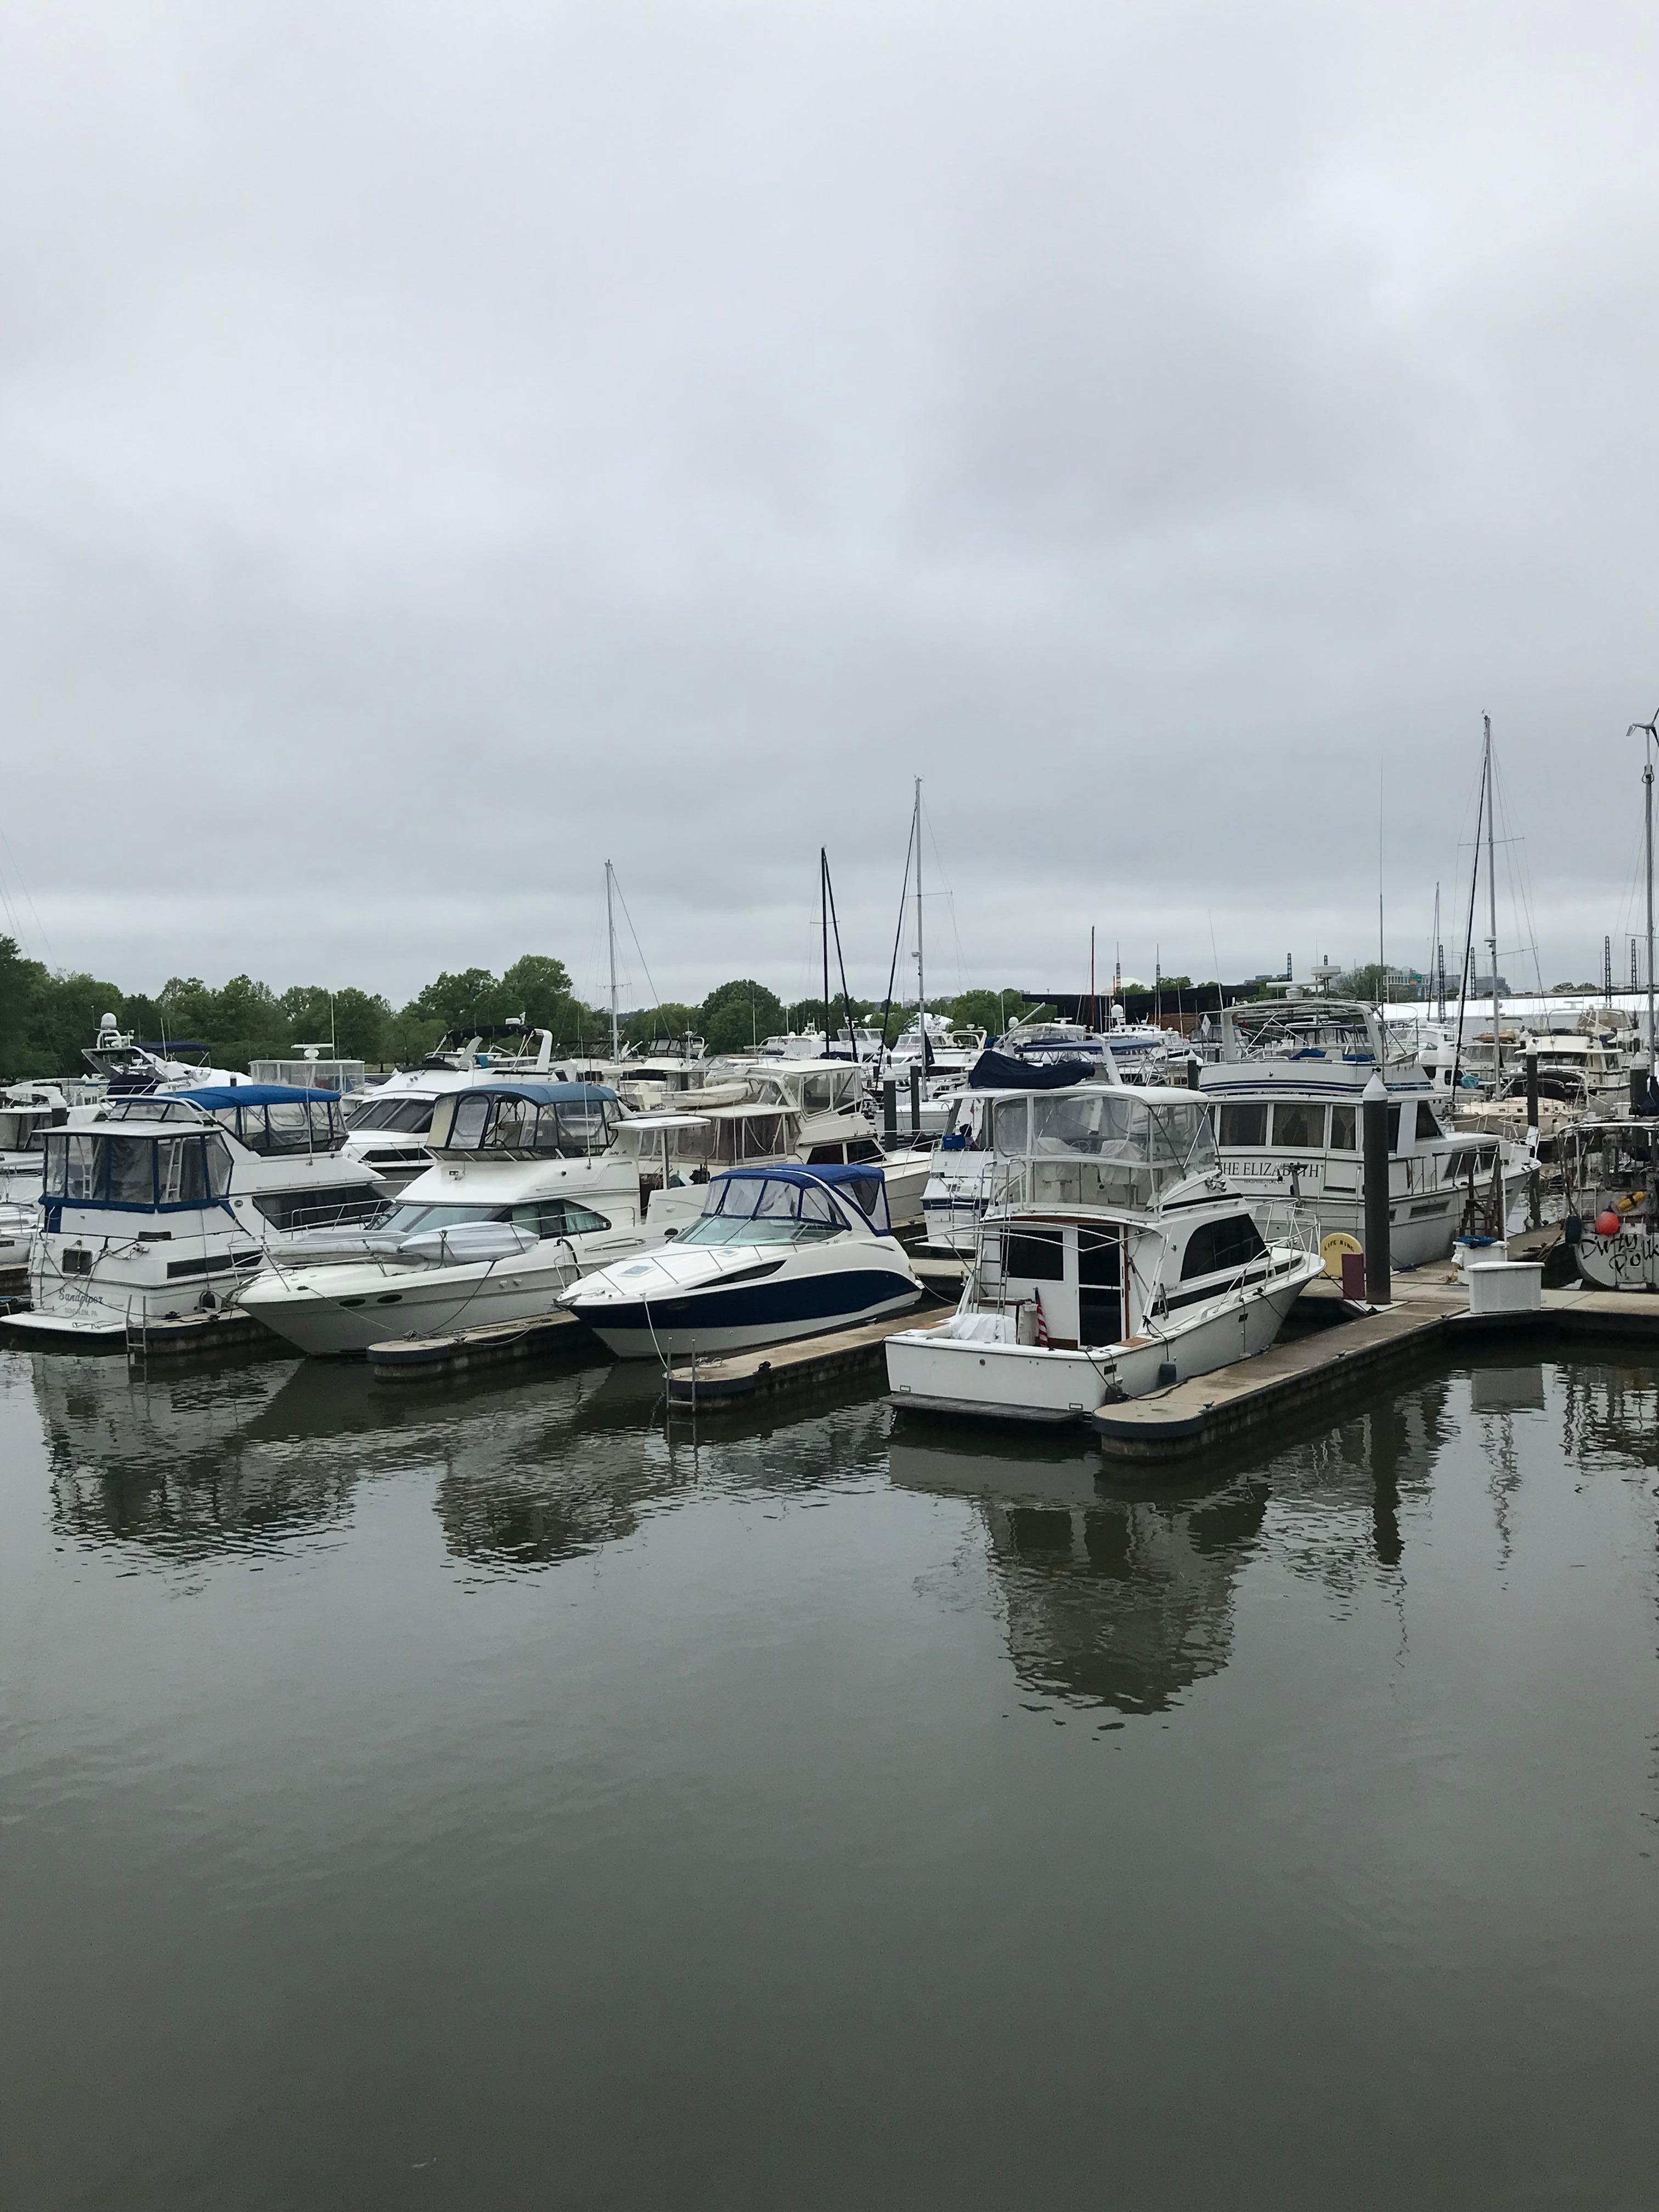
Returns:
point(829, 1110)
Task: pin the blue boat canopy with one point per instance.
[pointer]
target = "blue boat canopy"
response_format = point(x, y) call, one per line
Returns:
point(860, 1181)
point(214, 1097)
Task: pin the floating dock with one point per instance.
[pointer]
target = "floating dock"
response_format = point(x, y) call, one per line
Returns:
point(427, 1358)
point(1304, 1374)
point(744, 1376)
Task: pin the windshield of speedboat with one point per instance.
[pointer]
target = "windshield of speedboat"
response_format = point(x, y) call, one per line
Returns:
point(765, 1210)
point(719, 1228)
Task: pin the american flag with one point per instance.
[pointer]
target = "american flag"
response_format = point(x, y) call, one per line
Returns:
point(1041, 1321)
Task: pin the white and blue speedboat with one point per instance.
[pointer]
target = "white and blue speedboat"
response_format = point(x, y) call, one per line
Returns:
point(778, 1252)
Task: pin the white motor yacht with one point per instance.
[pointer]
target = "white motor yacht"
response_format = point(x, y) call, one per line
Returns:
point(1115, 1259)
point(1286, 1094)
point(122, 1067)
point(532, 1185)
point(156, 1206)
point(387, 1128)
point(777, 1252)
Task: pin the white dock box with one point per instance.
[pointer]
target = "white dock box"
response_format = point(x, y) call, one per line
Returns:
point(1506, 1287)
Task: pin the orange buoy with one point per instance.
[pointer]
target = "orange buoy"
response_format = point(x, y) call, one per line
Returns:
point(1608, 1224)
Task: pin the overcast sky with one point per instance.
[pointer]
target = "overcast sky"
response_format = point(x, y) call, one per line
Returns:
point(442, 447)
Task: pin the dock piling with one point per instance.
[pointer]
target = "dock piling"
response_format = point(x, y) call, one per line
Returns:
point(1379, 1288)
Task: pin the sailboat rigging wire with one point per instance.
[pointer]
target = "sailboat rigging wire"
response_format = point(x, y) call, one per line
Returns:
point(841, 962)
point(898, 939)
point(1468, 943)
point(656, 995)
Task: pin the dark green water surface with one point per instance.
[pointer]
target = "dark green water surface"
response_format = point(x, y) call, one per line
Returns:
point(490, 1799)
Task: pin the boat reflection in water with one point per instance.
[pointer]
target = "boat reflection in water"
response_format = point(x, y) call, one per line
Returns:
point(161, 1461)
point(272, 1456)
point(1110, 1599)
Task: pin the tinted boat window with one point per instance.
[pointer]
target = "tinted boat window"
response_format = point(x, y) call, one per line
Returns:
point(1244, 1124)
point(1299, 1127)
point(1033, 1255)
point(1343, 1138)
point(181, 1171)
point(129, 1168)
point(1214, 1245)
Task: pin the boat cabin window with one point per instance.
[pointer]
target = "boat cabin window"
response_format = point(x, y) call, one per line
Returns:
point(1345, 1124)
point(1244, 1124)
point(502, 1121)
point(1213, 1245)
point(150, 1109)
point(297, 1125)
point(1034, 1255)
point(1428, 1122)
point(20, 1130)
point(135, 1173)
point(1010, 1122)
point(558, 1217)
point(410, 1117)
point(408, 1220)
point(1299, 1127)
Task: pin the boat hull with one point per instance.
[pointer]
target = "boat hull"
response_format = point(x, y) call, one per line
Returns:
point(1628, 1261)
point(338, 1312)
point(930, 1372)
point(737, 1317)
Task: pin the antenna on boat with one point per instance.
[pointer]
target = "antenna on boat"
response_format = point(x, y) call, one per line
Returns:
point(1094, 1019)
point(610, 937)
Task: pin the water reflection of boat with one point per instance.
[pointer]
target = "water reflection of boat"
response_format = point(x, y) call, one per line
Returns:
point(267, 1454)
point(160, 1461)
point(1124, 1602)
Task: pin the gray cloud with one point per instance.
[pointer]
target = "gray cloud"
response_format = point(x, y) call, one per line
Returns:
point(442, 447)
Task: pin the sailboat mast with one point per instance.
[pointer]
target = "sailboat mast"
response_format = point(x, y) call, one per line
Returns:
point(823, 916)
point(610, 939)
point(1094, 1023)
point(921, 971)
point(1492, 913)
point(1647, 793)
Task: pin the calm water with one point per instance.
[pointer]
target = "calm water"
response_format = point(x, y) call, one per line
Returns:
point(492, 1800)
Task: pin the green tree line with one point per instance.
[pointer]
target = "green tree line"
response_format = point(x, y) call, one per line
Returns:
point(47, 1017)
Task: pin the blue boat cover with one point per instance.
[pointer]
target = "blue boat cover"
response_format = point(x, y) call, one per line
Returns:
point(1001, 1071)
point(215, 1095)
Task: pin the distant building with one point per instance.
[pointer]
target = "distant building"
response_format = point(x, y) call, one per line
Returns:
point(1482, 987)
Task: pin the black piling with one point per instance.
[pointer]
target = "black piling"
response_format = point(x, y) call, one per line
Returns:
point(1379, 1287)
